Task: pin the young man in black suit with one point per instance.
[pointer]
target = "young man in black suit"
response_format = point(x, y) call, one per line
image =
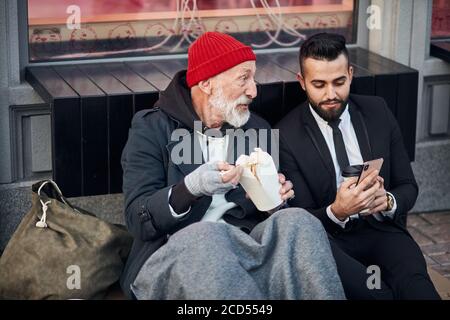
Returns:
point(330, 131)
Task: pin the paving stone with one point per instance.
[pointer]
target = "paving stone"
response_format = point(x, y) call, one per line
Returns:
point(432, 171)
point(430, 262)
point(443, 270)
point(439, 233)
point(442, 259)
point(14, 204)
point(436, 218)
point(415, 220)
point(421, 239)
point(436, 249)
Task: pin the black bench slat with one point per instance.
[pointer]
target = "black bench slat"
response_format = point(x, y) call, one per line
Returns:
point(95, 146)
point(270, 94)
point(397, 84)
point(119, 120)
point(129, 78)
point(363, 81)
point(103, 79)
point(264, 61)
point(49, 84)
point(94, 130)
point(145, 94)
point(150, 73)
point(170, 66)
point(440, 48)
point(286, 60)
point(407, 89)
point(77, 80)
point(383, 64)
point(66, 127)
point(293, 94)
point(120, 112)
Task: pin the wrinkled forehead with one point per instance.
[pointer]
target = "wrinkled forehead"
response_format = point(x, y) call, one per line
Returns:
point(246, 67)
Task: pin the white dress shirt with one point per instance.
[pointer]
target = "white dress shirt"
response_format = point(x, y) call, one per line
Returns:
point(354, 157)
point(213, 149)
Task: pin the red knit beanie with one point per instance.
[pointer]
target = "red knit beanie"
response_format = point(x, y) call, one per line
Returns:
point(213, 53)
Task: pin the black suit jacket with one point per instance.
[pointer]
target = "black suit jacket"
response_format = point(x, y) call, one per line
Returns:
point(305, 159)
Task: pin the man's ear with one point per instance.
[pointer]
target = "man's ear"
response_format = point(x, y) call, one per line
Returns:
point(205, 86)
point(301, 80)
point(350, 73)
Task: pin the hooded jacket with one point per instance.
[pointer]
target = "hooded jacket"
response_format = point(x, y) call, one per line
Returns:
point(149, 174)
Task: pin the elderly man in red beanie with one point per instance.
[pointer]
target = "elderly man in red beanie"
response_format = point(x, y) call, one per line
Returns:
point(197, 235)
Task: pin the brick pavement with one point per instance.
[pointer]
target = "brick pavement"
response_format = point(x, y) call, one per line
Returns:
point(432, 233)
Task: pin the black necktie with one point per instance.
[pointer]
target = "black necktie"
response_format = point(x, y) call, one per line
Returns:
point(339, 145)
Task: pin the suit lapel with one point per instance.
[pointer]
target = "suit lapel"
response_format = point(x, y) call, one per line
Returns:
point(362, 134)
point(317, 138)
point(320, 144)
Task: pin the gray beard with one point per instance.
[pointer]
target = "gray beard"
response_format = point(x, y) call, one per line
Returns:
point(231, 114)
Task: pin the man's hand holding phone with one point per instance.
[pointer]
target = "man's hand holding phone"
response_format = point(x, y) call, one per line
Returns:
point(351, 199)
point(380, 202)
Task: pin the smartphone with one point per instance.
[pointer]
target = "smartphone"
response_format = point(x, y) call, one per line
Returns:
point(369, 167)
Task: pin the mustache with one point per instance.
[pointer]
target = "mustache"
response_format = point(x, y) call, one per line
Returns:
point(242, 100)
point(331, 101)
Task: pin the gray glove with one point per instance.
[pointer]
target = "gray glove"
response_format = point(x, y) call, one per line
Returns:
point(206, 180)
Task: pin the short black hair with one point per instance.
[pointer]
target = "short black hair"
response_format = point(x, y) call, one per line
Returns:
point(322, 46)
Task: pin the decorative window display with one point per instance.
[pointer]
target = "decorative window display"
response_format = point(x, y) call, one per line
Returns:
point(440, 27)
point(90, 29)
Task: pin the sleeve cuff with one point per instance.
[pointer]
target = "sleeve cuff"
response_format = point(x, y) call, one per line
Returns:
point(174, 214)
point(391, 213)
point(336, 220)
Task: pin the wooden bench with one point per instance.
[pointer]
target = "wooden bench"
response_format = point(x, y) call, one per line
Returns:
point(92, 106)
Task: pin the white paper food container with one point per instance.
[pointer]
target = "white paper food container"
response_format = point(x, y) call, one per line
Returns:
point(264, 188)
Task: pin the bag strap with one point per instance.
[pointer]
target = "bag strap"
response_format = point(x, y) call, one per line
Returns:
point(53, 183)
point(42, 222)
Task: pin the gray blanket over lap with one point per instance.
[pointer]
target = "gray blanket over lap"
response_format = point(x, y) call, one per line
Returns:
point(287, 256)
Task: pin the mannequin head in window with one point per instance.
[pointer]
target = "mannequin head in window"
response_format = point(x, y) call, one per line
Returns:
point(325, 74)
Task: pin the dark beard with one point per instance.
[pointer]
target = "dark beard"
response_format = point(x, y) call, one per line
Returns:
point(329, 115)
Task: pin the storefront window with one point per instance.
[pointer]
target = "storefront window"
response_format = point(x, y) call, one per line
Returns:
point(440, 27)
point(89, 29)
point(440, 30)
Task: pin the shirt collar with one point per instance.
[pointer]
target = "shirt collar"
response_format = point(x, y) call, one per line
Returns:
point(345, 116)
point(210, 137)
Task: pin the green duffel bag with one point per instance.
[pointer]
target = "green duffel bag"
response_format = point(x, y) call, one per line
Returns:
point(61, 252)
